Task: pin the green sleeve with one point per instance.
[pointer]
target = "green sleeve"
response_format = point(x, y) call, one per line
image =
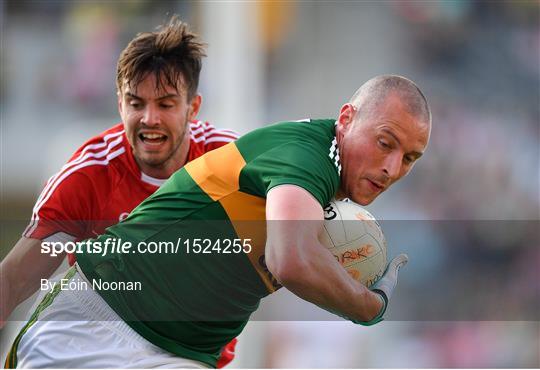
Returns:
point(301, 164)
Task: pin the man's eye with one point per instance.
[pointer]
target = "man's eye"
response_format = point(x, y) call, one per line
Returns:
point(135, 104)
point(384, 144)
point(408, 159)
point(166, 106)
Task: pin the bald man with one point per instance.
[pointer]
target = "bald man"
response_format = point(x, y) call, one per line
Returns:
point(381, 133)
point(180, 308)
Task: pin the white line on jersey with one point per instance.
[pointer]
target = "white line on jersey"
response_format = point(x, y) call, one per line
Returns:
point(56, 179)
point(83, 156)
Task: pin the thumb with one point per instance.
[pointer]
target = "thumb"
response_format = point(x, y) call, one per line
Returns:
point(398, 262)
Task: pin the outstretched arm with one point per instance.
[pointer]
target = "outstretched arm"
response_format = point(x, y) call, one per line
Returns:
point(21, 272)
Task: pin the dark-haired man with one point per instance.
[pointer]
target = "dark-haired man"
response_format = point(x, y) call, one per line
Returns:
point(109, 175)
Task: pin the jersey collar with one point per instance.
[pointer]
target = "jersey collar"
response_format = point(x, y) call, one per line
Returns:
point(152, 180)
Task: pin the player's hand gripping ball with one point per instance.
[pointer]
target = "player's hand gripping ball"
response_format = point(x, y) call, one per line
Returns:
point(356, 240)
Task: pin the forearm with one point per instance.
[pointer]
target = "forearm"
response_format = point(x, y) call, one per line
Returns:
point(295, 256)
point(317, 277)
point(21, 272)
point(8, 291)
point(6, 302)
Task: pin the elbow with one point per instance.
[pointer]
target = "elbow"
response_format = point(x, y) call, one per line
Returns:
point(288, 269)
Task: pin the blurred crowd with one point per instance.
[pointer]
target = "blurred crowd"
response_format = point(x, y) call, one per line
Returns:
point(476, 191)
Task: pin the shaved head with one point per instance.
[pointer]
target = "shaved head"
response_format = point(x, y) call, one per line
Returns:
point(381, 133)
point(374, 92)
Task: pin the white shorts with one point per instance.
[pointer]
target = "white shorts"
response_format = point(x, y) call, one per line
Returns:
point(78, 329)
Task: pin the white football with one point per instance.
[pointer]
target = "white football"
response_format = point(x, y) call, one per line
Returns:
point(356, 240)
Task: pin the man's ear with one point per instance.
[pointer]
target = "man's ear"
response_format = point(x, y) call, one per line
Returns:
point(194, 106)
point(346, 117)
point(120, 104)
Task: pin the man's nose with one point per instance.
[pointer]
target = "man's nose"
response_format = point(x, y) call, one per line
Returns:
point(151, 116)
point(392, 166)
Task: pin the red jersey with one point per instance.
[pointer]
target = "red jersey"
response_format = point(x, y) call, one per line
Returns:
point(101, 184)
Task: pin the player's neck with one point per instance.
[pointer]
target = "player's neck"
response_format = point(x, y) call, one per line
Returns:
point(340, 194)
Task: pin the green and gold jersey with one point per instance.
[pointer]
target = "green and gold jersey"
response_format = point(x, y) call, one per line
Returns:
point(195, 295)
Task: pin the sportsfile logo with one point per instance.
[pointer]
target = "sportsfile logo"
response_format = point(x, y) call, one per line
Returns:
point(118, 245)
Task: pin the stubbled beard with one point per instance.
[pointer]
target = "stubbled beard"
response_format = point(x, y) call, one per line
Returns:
point(160, 163)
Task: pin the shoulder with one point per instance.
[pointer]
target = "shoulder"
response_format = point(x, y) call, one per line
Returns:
point(301, 153)
point(206, 133)
point(205, 137)
point(304, 128)
point(289, 134)
point(105, 145)
point(96, 158)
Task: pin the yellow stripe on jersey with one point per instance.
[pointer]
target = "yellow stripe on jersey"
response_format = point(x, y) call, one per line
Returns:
point(213, 177)
point(248, 215)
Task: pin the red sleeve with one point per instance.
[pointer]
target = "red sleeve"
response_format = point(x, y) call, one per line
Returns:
point(65, 205)
point(227, 354)
point(69, 199)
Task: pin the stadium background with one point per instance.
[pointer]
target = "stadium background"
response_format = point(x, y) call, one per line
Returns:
point(477, 62)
